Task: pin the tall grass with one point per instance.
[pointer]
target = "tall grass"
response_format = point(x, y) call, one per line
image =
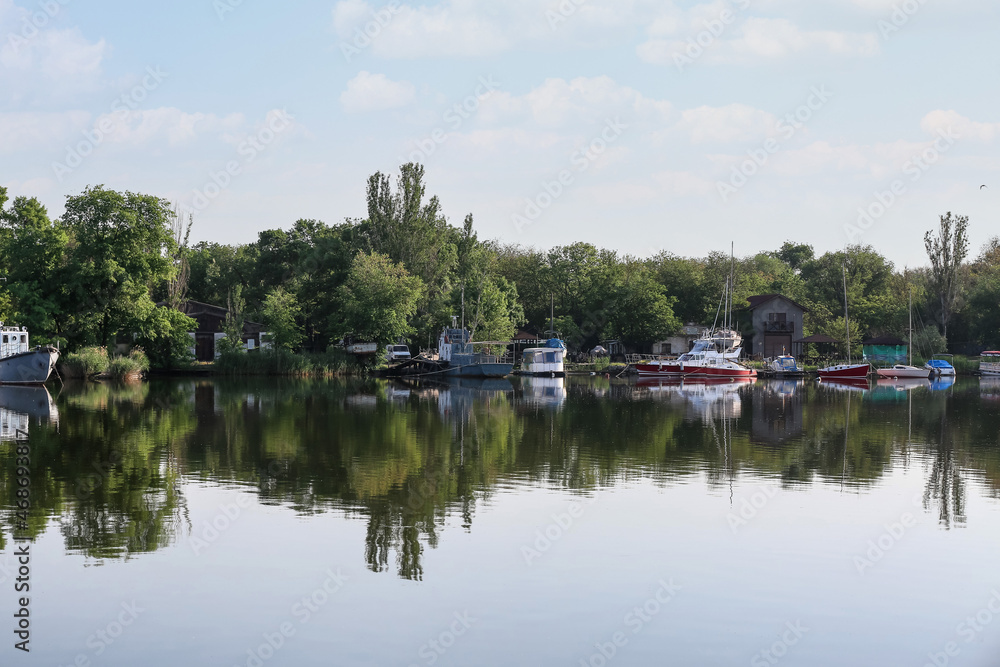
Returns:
point(87, 361)
point(283, 362)
point(134, 363)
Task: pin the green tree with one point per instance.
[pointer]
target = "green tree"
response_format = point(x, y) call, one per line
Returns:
point(642, 312)
point(33, 253)
point(378, 299)
point(279, 312)
point(233, 325)
point(121, 244)
point(947, 252)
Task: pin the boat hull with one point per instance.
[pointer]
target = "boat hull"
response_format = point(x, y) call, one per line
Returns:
point(845, 372)
point(676, 370)
point(485, 370)
point(31, 367)
point(911, 372)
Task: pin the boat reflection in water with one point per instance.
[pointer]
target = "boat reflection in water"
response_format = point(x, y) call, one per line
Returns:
point(845, 384)
point(544, 392)
point(706, 398)
point(21, 405)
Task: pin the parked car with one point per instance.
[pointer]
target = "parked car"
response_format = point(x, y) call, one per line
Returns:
point(397, 353)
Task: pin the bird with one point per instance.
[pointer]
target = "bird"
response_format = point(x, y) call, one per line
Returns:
point(981, 187)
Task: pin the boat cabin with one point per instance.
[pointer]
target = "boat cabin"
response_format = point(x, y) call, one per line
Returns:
point(14, 340)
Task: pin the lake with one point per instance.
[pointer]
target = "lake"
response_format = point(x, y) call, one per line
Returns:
point(583, 521)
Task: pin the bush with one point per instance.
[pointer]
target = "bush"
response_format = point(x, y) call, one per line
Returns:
point(133, 363)
point(88, 361)
point(601, 363)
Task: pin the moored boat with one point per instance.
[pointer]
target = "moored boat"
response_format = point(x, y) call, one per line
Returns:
point(940, 366)
point(989, 363)
point(845, 372)
point(783, 366)
point(19, 363)
point(904, 371)
point(455, 349)
point(548, 360)
point(713, 356)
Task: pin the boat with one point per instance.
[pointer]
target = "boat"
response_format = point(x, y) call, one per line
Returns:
point(904, 371)
point(547, 360)
point(21, 364)
point(846, 371)
point(989, 363)
point(940, 366)
point(714, 355)
point(456, 351)
point(783, 366)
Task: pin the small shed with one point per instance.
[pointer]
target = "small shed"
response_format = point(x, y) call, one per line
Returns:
point(884, 349)
point(211, 319)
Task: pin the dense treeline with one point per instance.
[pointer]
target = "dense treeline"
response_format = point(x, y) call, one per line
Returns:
point(117, 265)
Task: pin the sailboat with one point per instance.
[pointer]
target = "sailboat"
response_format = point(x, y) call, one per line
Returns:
point(846, 371)
point(906, 370)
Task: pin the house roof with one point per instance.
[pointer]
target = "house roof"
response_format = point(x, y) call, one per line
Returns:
point(818, 338)
point(884, 340)
point(761, 299)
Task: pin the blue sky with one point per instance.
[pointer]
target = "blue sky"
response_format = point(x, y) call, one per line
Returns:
point(634, 125)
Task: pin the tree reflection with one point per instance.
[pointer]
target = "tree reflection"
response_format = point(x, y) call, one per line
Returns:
point(407, 457)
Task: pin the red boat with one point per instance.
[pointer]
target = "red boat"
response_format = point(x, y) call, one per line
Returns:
point(845, 372)
point(713, 356)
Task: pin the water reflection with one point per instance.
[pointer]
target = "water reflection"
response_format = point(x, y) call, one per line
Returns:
point(19, 406)
point(405, 458)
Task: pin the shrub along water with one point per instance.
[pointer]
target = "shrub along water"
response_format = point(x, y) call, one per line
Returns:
point(91, 361)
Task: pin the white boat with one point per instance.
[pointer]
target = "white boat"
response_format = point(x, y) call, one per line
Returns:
point(784, 365)
point(940, 366)
point(989, 363)
point(21, 364)
point(547, 361)
point(904, 371)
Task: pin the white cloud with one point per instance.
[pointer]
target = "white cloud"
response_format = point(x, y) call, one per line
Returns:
point(730, 123)
point(702, 36)
point(375, 92)
point(942, 121)
point(37, 131)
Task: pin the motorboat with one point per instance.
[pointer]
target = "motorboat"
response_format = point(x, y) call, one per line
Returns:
point(783, 366)
point(547, 360)
point(940, 366)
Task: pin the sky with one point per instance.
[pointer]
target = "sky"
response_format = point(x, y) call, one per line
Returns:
point(634, 125)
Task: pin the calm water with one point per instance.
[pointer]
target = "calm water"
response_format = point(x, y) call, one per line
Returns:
point(525, 522)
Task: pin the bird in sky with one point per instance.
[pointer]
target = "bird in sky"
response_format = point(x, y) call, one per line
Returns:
point(981, 187)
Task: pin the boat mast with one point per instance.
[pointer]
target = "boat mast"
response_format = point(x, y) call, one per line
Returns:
point(909, 347)
point(463, 315)
point(552, 315)
point(847, 324)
